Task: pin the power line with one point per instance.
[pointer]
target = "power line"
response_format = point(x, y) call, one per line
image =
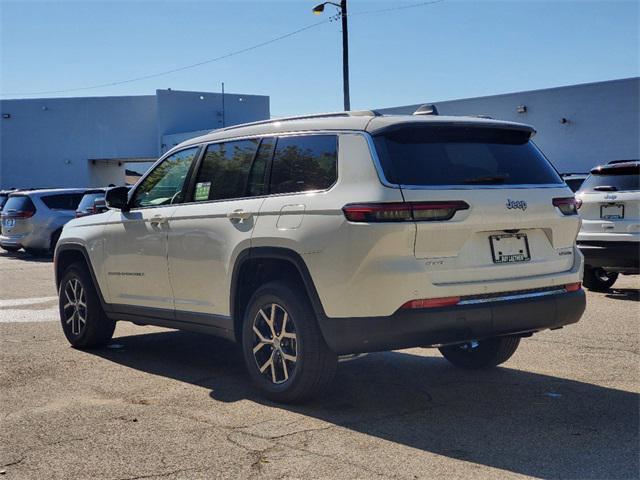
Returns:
point(399, 7)
point(221, 57)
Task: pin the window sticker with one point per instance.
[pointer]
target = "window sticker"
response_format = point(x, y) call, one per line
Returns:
point(202, 191)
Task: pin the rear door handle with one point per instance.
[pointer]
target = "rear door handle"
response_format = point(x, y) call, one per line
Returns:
point(158, 220)
point(239, 215)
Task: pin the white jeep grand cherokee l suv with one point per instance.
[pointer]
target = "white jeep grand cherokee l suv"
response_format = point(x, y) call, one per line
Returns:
point(308, 238)
point(610, 233)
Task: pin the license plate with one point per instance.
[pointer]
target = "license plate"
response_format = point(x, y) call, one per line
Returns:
point(510, 248)
point(612, 211)
point(8, 222)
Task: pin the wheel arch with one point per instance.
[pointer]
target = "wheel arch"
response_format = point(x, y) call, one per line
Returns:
point(255, 265)
point(70, 253)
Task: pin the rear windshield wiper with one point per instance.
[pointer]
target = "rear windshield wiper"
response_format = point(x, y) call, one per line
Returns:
point(605, 188)
point(487, 179)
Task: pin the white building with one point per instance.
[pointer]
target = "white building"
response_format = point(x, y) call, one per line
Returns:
point(579, 126)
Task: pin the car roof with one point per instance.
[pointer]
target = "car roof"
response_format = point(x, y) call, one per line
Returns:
point(612, 167)
point(46, 191)
point(365, 121)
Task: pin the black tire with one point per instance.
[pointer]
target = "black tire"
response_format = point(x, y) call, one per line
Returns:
point(8, 248)
point(598, 280)
point(315, 364)
point(97, 329)
point(485, 353)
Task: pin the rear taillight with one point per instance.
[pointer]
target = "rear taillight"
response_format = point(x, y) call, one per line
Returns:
point(567, 205)
point(403, 212)
point(19, 214)
point(573, 287)
point(431, 303)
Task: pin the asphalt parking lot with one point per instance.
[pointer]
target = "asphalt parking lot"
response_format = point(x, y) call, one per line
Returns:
point(164, 404)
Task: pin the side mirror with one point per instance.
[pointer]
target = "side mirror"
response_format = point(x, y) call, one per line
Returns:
point(118, 198)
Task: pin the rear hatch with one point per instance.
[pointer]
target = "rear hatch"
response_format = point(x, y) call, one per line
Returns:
point(493, 192)
point(16, 215)
point(611, 201)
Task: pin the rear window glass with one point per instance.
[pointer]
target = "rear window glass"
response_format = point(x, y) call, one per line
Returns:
point(437, 156)
point(19, 203)
point(64, 201)
point(304, 163)
point(88, 200)
point(613, 180)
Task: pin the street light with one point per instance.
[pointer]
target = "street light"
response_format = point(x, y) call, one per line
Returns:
point(317, 10)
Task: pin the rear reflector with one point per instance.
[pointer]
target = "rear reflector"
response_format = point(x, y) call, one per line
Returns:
point(567, 205)
point(573, 287)
point(431, 303)
point(403, 212)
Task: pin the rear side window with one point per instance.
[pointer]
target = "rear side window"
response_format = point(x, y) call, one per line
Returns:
point(64, 201)
point(3, 200)
point(20, 203)
point(304, 163)
point(613, 180)
point(225, 170)
point(438, 156)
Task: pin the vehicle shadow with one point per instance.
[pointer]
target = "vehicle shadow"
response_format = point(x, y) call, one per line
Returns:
point(26, 257)
point(522, 422)
point(624, 294)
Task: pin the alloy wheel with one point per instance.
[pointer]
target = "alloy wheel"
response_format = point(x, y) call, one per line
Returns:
point(275, 345)
point(75, 308)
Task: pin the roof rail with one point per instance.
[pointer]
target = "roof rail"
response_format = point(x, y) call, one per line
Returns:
point(354, 113)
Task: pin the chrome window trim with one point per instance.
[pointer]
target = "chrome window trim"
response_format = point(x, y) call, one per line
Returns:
point(515, 296)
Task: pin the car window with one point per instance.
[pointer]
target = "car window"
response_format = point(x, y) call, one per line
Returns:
point(164, 185)
point(3, 200)
point(304, 163)
point(412, 155)
point(88, 201)
point(18, 203)
point(613, 179)
point(65, 201)
point(257, 180)
point(225, 170)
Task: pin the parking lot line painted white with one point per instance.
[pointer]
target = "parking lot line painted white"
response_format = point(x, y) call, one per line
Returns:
point(16, 315)
point(17, 302)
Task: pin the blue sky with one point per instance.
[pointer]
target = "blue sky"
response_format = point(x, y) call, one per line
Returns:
point(452, 49)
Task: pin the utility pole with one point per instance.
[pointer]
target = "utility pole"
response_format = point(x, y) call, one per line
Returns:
point(223, 125)
point(317, 10)
point(345, 55)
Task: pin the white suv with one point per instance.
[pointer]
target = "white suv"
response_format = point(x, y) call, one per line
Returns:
point(308, 238)
point(610, 234)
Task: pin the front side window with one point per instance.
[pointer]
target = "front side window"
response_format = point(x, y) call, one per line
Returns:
point(304, 163)
point(443, 155)
point(165, 184)
point(225, 170)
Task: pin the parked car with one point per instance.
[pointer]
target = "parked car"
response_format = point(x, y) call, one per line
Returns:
point(305, 239)
point(574, 180)
point(4, 195)
point(610, 233)
point(33, 219)
point(92, 202)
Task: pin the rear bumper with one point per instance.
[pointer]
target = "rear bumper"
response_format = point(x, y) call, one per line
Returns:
point(13, 241)
point(415, 328)
point(622, 255)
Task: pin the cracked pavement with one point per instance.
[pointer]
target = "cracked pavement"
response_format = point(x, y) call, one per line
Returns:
point(174, 405)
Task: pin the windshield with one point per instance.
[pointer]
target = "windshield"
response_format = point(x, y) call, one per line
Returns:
point(435, 156)
point(88, 201)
